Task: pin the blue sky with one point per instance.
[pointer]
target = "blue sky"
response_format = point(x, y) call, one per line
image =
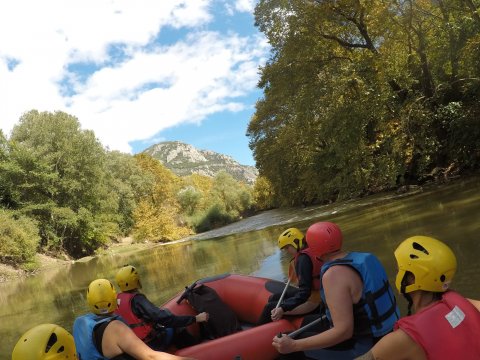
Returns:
point(135, 72)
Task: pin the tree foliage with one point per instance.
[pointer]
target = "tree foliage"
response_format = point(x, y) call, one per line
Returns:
point(210, 203)
point(157, 216)
point(361, 96)
point(57, 172)
point(263, 194)
point(18, 238)
point(61, 191)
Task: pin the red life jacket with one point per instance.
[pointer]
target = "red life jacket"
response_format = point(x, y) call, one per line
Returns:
point(124, 309)
point(447, 329)
point(317, 265)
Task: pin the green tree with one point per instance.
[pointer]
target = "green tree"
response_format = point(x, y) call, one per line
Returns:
point(18, 238)
point(356, 95)
point(230, 194)
point(59, 172)
point(128, 183)
point(189, 199)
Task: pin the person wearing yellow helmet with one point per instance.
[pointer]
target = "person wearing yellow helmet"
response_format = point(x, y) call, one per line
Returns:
point(45, 342)
point(444, 324)
point(304, 271)
point(360, 306)
point(103, 335)
point(157, 327)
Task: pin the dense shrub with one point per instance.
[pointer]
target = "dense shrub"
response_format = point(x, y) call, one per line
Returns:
point(216, 216)
point(19, 238)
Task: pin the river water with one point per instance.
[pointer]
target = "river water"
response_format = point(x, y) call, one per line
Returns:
point(375, 224)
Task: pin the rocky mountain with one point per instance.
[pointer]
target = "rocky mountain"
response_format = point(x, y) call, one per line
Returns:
point(184, 159)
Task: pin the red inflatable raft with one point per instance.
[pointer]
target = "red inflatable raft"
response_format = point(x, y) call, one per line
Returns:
point(246, 296)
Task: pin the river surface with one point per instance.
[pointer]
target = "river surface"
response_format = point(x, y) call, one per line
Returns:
point(375, 224)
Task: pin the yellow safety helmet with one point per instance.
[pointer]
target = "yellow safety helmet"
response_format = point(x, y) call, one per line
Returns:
point(291, 236)
point(127, 278)
point(431, 262)
point(101, 297)
point(45, 342)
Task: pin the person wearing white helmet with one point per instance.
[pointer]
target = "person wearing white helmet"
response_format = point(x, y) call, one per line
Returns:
point(304, 271)
point(103, 335)
point(444, 324)
point(360, 304)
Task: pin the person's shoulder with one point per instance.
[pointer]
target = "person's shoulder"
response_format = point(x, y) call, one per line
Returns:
point(85, 317)
point(337, 274)
point(397, 345)
point(118, 326)
point(475, 303)
point(138, 296)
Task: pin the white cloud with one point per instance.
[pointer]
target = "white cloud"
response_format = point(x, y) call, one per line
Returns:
point(134, 93)
point(245, 5)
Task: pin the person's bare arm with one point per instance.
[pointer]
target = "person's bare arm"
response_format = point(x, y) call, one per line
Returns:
point(475, 303)
point(367, 356)
point(304, 308)
point(395, 346)
point(337, 283)
point(118, 338)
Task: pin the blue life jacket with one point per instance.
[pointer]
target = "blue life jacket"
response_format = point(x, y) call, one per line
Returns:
point(377, 311)
point(83, 335)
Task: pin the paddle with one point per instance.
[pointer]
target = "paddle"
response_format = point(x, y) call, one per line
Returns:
point(283, 295)
point(297, 332)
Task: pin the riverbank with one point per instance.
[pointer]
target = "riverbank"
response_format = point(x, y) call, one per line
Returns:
point(261, 220)
point(44, 262)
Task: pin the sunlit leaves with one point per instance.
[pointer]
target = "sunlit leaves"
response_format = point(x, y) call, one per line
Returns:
point(157, 213)
point(352, 91)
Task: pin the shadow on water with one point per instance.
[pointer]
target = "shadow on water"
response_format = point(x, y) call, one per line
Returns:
point(376, 224)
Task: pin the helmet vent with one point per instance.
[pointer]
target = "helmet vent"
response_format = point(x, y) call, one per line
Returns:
point(51, 341)
point(61, 349)
point(419, 247)
point(442, 278)
point(412, 256)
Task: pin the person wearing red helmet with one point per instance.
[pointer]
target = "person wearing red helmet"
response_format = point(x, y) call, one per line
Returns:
point(360, 304)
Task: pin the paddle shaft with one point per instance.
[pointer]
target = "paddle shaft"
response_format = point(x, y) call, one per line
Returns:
point(293, 334)
point(283, 295)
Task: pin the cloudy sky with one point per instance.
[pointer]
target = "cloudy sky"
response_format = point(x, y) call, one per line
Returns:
point(135, 72)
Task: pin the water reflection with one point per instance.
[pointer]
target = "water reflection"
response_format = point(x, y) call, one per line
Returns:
point(376, 224)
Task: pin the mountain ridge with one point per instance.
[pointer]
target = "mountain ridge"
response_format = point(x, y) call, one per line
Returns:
point(185, 159)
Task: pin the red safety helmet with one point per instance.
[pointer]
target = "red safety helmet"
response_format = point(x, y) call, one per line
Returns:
point(324, 238)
